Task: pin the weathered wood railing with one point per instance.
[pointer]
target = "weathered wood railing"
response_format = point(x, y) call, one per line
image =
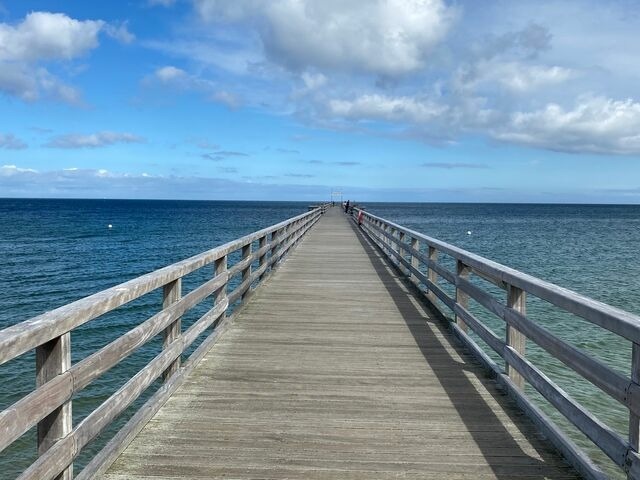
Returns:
point(417, 255)
point(49, 406)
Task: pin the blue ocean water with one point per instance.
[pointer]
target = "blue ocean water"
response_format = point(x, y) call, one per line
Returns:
point(56, 251)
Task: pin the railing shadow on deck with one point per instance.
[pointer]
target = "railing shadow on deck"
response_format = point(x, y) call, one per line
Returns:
point(451, 376)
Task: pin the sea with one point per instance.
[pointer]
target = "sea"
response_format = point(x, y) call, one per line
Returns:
point(53, 252)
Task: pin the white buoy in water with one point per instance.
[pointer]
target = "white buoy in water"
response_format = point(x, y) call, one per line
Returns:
point(468, 232)
point(109, 226)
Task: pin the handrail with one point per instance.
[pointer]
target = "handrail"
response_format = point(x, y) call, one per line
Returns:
point(49, 405)
point(416, 255)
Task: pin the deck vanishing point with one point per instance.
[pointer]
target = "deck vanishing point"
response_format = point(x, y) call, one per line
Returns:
point(348, 361)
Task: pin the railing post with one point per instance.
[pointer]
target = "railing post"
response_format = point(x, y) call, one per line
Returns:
point(246, 272)
point(415, 261)
point(432, 276)
point(387, 240)
point(296, 233)
point(462, 298)
point(52, 359)
point(383, 239)
point(516, 299)
point(634, 420)
point(394, 244)
point(262, 258)
point(275, 236)
point(220, 267)
point(401, 252)
point(171, 293)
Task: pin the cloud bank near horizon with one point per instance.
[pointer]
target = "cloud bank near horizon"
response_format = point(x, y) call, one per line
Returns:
point(101, 183)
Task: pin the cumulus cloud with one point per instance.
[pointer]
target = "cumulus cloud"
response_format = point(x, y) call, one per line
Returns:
point(384, 37)
point(517, 77)
point(30, 84)
point(420, 69)
point(11, 142)
point(47, 37)
point(383, 107)
point(93, 140)
point(594, 124)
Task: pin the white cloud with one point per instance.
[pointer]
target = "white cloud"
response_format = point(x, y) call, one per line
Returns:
point(517, 77)
point(94, 140)
point(10, 170)
point(11, 142)
point(120, 32)
point(525, 78)
point(385, 37)
point(170, 76)
point(45, 37)
point(382, 107)
point(48, 36)
point(594, 125)
point(31, 84)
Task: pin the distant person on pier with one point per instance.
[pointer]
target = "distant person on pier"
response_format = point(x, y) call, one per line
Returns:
point(346, 207)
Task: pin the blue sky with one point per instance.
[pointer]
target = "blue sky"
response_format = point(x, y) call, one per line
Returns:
point(390, 100)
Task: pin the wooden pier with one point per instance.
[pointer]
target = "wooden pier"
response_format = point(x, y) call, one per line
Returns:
point(342, 364)
point(335, 371)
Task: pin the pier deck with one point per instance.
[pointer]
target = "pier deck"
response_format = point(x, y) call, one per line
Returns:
point(335, 371)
